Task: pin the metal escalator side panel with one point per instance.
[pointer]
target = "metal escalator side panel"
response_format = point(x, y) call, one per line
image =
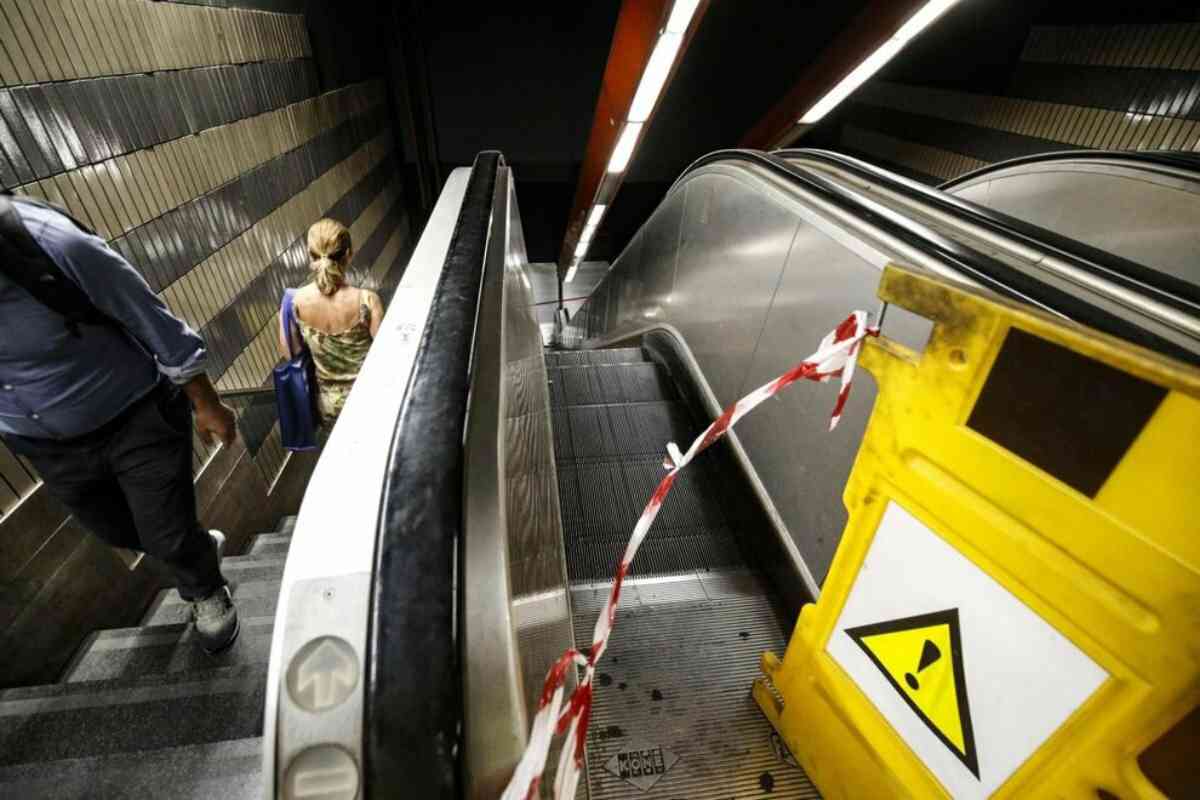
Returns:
point(326, 582)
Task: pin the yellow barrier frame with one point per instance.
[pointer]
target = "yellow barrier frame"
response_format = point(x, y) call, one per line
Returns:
point(1116, 573)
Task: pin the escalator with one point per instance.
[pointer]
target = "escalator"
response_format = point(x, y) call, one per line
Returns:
point(482, 488)
point(696, 611)
point(663, 293)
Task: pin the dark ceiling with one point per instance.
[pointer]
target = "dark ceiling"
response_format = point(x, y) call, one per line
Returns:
point(524, 80)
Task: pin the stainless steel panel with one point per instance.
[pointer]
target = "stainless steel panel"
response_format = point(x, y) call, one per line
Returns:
point(802, 465)
point(759, 276)
point(733, 246)
point(1148, 216)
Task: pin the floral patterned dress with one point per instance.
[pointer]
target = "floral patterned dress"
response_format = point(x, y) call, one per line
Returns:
point(338, 358)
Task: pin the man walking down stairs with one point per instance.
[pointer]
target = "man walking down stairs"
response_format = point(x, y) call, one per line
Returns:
point(144, 712)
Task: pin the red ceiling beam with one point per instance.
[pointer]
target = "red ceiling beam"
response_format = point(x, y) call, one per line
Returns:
point(634, 37)
point(873, 26)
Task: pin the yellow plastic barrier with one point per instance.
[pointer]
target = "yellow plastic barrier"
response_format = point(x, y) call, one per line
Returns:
point(1014, 608)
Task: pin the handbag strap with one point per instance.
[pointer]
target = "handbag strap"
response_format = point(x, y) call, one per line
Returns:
point(287, 320)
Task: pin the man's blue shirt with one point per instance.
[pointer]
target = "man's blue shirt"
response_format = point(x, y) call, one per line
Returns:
point(54, 385)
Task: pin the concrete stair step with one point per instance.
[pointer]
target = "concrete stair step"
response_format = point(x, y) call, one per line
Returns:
point(286, 525)
point(103, 718)
point(254, 598)
point(229, 770)
point(270, 545)
point(159, 649)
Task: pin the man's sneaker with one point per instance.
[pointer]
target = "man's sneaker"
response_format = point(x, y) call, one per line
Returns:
point(219, 540)
point(216, 620)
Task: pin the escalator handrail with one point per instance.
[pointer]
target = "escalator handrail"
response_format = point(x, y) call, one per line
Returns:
point(987, 271)
point(1169, 159)
point(1165, 288)
point(413, 707)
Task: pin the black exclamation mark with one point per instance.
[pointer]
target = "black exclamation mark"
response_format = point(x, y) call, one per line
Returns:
point(929, 655)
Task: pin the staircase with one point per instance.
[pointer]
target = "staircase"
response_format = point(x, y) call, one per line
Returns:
point(143, 712)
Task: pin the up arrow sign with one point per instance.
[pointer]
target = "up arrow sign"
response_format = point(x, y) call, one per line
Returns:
point(326, 673)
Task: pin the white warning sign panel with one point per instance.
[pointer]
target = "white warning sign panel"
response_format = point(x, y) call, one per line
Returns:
point(969, 676)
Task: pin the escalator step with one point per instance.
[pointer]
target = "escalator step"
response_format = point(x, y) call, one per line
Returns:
point(608, 384)
point(660, 554)
point(153, 650)
point(604, 499)
point(616, 355)
point(77, 720)
point(228, 770)
point(609, 355)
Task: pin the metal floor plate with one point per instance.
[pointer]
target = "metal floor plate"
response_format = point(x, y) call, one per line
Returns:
point(673, 716)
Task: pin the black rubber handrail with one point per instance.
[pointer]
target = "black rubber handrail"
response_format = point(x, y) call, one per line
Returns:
point(1170, 159)
point(1167, 289)
point(992, 273)
point(413, 703)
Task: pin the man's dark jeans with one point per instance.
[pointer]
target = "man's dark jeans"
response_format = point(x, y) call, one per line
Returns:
point(130, 483)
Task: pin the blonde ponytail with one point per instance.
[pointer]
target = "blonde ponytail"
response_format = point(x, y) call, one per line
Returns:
point(329, 249)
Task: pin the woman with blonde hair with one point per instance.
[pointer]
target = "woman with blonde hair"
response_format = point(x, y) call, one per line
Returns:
point(336, 321)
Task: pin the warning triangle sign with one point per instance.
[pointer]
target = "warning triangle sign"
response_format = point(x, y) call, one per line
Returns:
point(921, 657)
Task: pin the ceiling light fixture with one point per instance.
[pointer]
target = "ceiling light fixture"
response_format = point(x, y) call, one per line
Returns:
point(650, 85)
point(681, 15)
point(624, 149)
point(654, 77)
point(874, 62)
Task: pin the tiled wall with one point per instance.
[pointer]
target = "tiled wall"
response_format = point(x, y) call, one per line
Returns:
point(1133, 87)
point(194, 137)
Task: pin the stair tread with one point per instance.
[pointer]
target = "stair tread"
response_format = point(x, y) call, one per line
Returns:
point(255, 598)
point(227, 769)
point(154, 649)
point(97, 718)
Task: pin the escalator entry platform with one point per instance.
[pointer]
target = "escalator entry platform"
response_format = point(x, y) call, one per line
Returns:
point(1010, 612)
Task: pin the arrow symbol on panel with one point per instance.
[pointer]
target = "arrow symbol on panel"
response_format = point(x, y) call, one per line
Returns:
point(327, 675)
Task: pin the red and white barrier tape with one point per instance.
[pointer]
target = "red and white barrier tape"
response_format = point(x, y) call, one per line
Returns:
point(835, 357)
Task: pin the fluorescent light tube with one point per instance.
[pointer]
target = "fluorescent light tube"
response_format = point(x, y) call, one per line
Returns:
point(624, 149)
point(597, 212)
point(681, 15)
point(654, 76)
point(856, 78)
point(874, 62)
point(571, 273)
point(923, 18)
point(582, 248)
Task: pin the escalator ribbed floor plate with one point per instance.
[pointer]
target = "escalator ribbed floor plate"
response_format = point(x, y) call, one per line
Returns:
point(673, 690)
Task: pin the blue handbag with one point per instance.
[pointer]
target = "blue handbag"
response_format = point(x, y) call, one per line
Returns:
point(296, 387)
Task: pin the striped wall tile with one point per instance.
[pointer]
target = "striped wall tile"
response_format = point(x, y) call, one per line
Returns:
point(61, 40)
point(930, 163)
point(49, 129)
point(1168, 46)
point(1055, 122)
point(210, 285)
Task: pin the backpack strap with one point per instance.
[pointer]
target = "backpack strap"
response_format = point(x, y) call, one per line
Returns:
point(23, 261)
